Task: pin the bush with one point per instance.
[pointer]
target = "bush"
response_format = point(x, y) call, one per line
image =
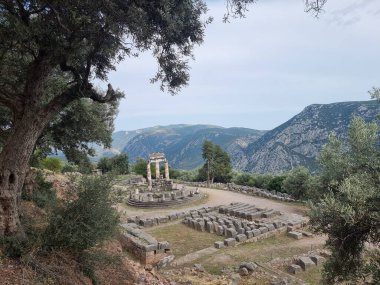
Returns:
point(52, 163)
point(43, 193)
point(298, 183)
point(84, 222)
point(68, 167)
point(117, 164)
point(14, 247)
point(245, 179)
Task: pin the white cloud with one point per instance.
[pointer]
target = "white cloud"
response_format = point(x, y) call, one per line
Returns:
point(259, 71)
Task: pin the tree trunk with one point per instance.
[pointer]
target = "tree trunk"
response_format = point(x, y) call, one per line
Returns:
point(208, 173)
point(14, 162)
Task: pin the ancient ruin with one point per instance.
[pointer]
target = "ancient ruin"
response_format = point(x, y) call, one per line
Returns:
point(161, 191)
point(161, 182)
point(239, 222)
point(145, 247)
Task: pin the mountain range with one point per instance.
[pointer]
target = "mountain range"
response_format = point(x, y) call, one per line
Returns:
point(295, 142)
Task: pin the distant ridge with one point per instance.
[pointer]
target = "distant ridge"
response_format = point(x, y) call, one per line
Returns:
point(295, 142)
point(299, 140)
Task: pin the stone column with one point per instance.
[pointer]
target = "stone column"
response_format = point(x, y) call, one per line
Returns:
point(149, 176)
point(157, 170)
point(167, 171)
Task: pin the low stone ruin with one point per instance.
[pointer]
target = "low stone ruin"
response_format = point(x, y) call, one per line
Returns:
point(272, 194)
point(239, 222)
point(163, 199)
point(304, 263)
point(145, 247)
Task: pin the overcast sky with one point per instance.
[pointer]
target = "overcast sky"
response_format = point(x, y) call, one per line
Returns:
point(260, 71)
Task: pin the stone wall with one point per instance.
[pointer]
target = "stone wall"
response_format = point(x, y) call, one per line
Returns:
point(154, 221)
point(145, 247)
point(273, 194)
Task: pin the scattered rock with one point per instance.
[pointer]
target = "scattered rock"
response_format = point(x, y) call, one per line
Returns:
point(317, 259)
point(305, 263)
point(294, 268)
point(295, 235)
point(250, 266)
point(243, 271)
point(234, 279)
point(198, 267)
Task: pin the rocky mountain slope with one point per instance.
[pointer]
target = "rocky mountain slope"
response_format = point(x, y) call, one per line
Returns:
point(296, 142)
point(299, 140)
point(182, 144)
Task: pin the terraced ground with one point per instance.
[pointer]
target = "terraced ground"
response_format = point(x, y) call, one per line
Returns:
point(193, 247)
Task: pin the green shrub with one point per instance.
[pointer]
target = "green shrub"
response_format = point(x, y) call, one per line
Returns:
point(43, 193)
point(52, 163)
point(117, 164)
point(68, 167)
point(86, 221)
point(14, 247)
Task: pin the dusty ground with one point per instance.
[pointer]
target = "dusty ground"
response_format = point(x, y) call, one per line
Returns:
point(217, 197)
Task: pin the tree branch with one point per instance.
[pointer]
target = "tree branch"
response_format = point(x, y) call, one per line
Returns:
point(314, 6)
point(10, 100)
point(108, 97)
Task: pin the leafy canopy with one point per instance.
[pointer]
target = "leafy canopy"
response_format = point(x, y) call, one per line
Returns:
point(350, 211)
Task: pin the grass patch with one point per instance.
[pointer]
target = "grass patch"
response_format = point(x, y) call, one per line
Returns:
point(262, 251)
point(183, 239)
point(312, 276)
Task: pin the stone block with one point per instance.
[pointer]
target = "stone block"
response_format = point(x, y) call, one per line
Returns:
point(229, 242)
point(268, 214)
point(256, 232)
point(231, 233)
point(163, 245)
point(295, 235)
point(241, 231)
point(263, 230)
point(241, 237)
point(200, 226)
point(209, 227)
point(150, 247)
point(305, 263)
point(294, 269)
point(270, 227)
point(249, 234)
point(219, 231)
point(218, 244)
point(277, 225)
point(317, 259)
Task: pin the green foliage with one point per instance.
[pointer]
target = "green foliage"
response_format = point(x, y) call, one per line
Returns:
point(140, 167)
point(52, 163)
point(276, 183)
point(298, 183)
point(188, 175)
point(43, 193)
point(245, 179)
point(69, 167)
point(349, 212)
point(117, 164)
point(88, 261)
point(86, 221)
point(218, 166)
point(14, 247)
point(262, 180)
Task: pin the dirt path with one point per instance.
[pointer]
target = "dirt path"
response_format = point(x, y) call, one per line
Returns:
point(219, 197)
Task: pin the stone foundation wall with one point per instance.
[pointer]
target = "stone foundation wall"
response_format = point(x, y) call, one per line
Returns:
point(273, 194)
point(144, 247)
